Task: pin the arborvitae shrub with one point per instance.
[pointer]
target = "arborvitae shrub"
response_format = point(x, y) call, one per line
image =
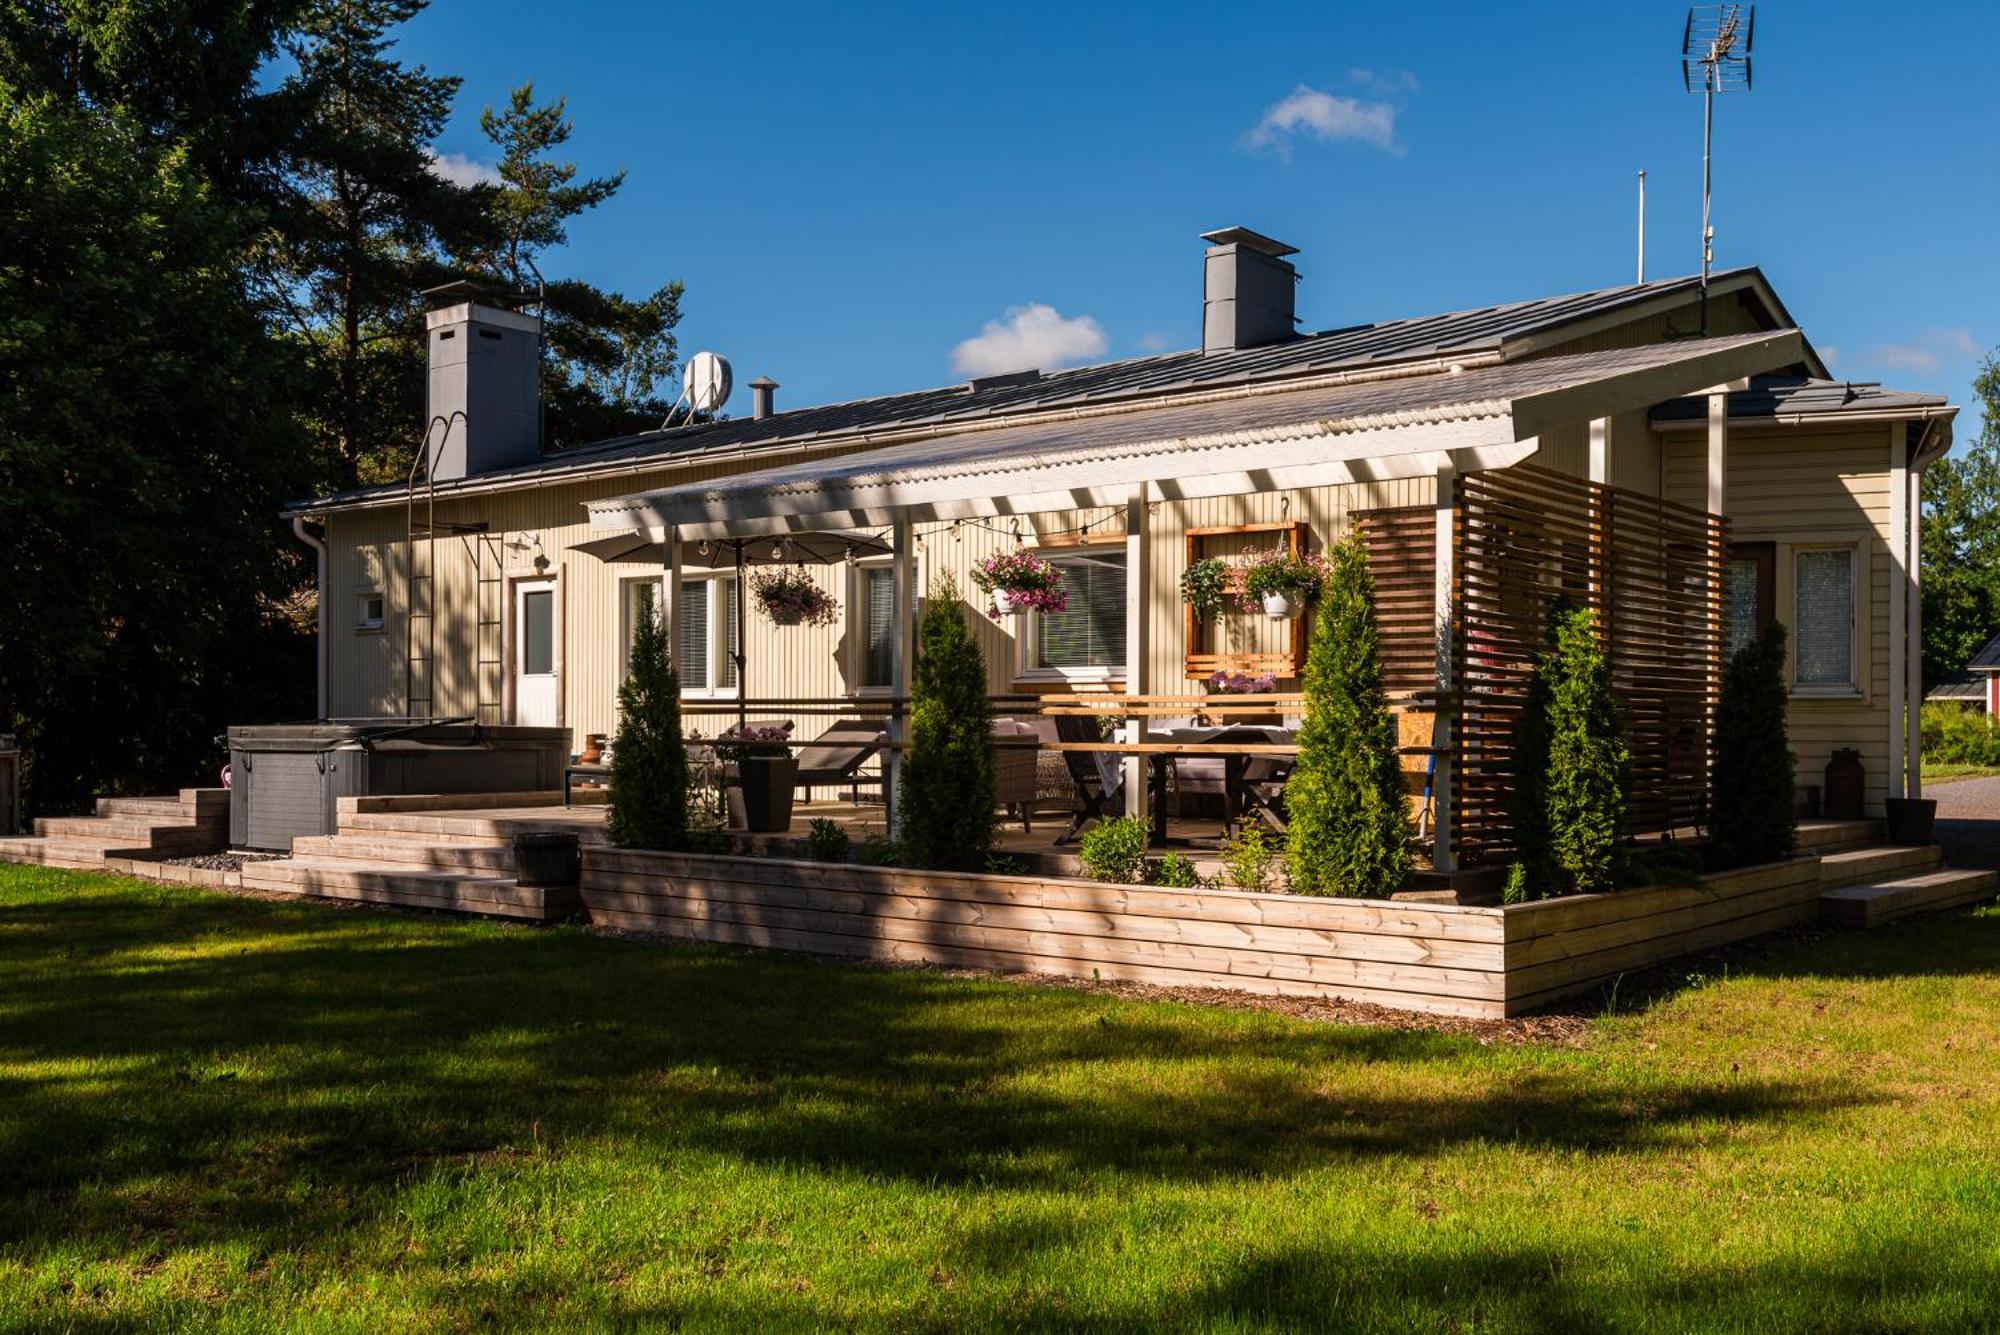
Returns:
point(948, 770)
point(649, 765)
point(1588, 762)
point(1349, 816)
point(1752, 817)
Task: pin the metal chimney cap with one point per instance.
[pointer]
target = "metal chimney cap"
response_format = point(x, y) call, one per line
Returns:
point(1243, 236)
point(764, 382)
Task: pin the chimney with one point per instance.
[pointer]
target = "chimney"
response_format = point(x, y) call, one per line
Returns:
point(1247, 291)
point(763, 398)
point(485, 363)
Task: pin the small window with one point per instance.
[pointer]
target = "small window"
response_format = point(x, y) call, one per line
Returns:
point(1089, 634)
point(1823, 619)
point(642, 599)
point(1747, 593)
point(878, 628)
point(538, 633)
point(692, 662)
point(368, 612)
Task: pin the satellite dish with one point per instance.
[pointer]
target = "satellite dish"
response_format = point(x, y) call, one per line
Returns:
point(707, 381)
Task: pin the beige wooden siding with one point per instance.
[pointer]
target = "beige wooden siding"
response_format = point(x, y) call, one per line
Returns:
point(821, 662)
point(1796, 487)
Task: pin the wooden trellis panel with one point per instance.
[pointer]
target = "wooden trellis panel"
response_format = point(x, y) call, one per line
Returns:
point(1402, 556)
point(1527, 541)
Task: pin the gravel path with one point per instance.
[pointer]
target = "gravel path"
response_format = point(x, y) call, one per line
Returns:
point(1968, 820)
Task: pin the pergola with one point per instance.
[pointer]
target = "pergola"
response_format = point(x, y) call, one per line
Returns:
point(1436, 420)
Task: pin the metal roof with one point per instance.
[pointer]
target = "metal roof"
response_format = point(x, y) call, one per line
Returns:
point(1987, 659)
point(1361, 349)
point(1249, 440)
point(1801, 396)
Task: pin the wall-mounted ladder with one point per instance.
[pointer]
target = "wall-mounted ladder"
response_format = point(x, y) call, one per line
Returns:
point(420, 583)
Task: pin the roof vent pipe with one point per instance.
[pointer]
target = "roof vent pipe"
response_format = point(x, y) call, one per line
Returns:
point(1248, 291)
point(763, 398)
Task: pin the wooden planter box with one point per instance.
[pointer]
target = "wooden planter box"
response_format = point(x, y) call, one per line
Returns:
point(1441, 958)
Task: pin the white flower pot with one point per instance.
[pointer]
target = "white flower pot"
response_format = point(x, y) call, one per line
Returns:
point(1003, 601)
point(1279, 608)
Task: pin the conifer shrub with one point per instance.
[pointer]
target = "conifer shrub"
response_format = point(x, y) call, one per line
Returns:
point(649, 763)
point(1583, 790)
point(948, 794)
point(1752, 817)
point(1349, 816)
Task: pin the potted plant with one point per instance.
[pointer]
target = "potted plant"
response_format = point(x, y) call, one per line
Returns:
point(1020, 581)
point(1245, 683)
point(790, 597)
point(1206, 587)
point(1284, 583)
point(766, 773)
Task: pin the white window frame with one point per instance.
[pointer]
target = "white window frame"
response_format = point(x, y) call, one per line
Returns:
point(364, 624)
point(1851, 688)
point(1029, 642)
point(718, 629)
point(857, 626)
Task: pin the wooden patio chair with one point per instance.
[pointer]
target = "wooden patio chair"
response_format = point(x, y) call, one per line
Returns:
point(1095, 789)
point(836, 756)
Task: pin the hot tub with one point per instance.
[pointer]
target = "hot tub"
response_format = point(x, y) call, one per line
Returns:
point(286, 779)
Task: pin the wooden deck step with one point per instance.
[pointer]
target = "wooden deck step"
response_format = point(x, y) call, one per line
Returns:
point(451, 892)
point(37, 851)
point(488, 828)
point(1832, 836)
point(1872, 905)
point(154, 808)
point(1868, 866)
point(420, 853)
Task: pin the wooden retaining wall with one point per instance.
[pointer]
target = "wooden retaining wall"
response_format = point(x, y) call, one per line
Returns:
point(1430, 957)
point(1441, 958)
point(1556, 947)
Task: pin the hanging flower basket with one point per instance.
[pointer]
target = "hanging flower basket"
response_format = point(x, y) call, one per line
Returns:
point(1020, 581)
point(789, 597)
point(1285, 584)
point(1208, 585)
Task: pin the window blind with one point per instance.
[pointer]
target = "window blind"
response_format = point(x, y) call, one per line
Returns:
point(1090, 632)
point(692, 661)
point(1825, 596)
point(878, 601)
point(732, 644)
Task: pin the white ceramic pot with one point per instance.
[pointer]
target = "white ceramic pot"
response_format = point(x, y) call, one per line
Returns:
point(1279, 608)
point(1003, 601)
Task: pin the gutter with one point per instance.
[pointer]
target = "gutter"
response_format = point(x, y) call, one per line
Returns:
point(1930, 414)
point(318, 544)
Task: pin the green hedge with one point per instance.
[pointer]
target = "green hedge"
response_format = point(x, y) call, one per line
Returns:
point(1959, 735)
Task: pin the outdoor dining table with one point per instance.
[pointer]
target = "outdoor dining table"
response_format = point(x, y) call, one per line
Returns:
point(1232, 766)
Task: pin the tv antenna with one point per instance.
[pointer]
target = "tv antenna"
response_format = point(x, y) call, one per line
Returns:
point(1716, 42)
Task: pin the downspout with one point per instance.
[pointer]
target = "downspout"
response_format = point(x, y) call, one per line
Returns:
point(318, 544)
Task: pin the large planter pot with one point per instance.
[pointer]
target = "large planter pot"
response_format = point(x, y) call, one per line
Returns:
point(1846, 783)
point(1911, 821)
point(760, 800)
point(1279, 607)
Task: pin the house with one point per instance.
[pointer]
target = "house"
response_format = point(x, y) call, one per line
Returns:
point(1978, 686)
point(1674, 455)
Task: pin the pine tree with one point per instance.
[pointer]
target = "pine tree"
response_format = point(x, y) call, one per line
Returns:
point(1752, 817)
point(649, 764)
point(1348, 808)
point(1584, 794)
point(948, 789)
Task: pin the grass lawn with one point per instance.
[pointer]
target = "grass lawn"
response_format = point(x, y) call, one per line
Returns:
point(1937, 771)
point(220, 1112)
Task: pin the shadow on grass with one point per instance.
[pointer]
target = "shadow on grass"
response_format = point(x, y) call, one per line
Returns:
point(190, 1068)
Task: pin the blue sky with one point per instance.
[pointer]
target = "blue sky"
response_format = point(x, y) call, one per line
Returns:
point(853, 193)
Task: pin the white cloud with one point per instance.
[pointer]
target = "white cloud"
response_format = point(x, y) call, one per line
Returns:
point(1397, 81)
point(1925, 353)
point(1326, 117)
point(1154, 341)
point(1830, 355)
point(462, 169)
point(1029, 338)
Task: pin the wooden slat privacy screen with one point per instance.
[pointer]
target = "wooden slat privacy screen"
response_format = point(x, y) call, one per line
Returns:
point(1402, 556)
point(1528, 540)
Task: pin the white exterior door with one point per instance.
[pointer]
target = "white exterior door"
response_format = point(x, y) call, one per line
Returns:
point(537, 687)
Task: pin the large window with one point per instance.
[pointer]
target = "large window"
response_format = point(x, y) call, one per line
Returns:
point(1088, 637)
point(875, 602)
point(1823, 619)
point(705, 657)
